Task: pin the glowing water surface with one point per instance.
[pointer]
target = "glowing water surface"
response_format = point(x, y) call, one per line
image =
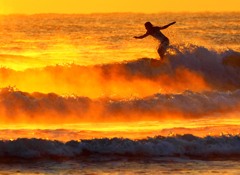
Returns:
point(71, 84)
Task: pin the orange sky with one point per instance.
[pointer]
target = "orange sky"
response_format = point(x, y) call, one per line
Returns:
point(95, 6)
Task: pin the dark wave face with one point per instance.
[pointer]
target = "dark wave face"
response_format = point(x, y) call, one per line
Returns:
point(186, 146)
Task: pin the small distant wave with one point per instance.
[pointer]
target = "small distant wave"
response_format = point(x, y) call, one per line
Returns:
point(186, 146)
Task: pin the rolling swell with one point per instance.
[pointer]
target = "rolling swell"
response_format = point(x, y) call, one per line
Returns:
point(20, 106)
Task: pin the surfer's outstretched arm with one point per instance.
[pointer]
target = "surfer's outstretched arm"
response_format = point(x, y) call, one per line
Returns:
point(166, 26)
point(142, 36)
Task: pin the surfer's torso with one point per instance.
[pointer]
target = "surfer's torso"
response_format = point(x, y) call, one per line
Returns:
point(156, 33)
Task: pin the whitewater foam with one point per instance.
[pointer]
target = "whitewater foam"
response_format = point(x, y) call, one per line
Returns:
point(217, 68)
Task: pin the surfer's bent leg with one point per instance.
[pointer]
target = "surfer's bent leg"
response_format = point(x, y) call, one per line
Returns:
point(162, 48)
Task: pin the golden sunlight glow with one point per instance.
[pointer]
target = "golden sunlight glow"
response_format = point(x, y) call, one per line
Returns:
point(96, 6)
point(131, 130)
point(62, 80)
point(61, 87)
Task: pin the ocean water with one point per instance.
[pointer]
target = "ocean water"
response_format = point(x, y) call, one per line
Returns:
point(80, 95)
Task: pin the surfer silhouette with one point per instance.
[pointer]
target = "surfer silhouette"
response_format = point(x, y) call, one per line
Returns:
point(156, 33)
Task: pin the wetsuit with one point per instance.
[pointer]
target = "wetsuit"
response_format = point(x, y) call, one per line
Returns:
point(164, 41)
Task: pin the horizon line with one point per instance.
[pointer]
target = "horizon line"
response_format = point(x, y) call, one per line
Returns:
point(93, 13)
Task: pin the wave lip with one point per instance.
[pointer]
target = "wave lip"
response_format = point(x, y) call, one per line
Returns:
point(186, 146)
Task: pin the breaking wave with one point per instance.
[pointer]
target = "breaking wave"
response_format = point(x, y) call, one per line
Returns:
point(186, 146)
point(20, 106)
point(187, 67)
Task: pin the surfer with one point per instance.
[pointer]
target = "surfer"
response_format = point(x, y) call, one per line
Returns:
point(156, 33)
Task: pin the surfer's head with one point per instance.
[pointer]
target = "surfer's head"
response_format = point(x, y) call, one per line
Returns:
point(148, 25)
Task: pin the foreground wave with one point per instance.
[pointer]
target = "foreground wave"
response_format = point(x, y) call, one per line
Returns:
point(185, 146)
